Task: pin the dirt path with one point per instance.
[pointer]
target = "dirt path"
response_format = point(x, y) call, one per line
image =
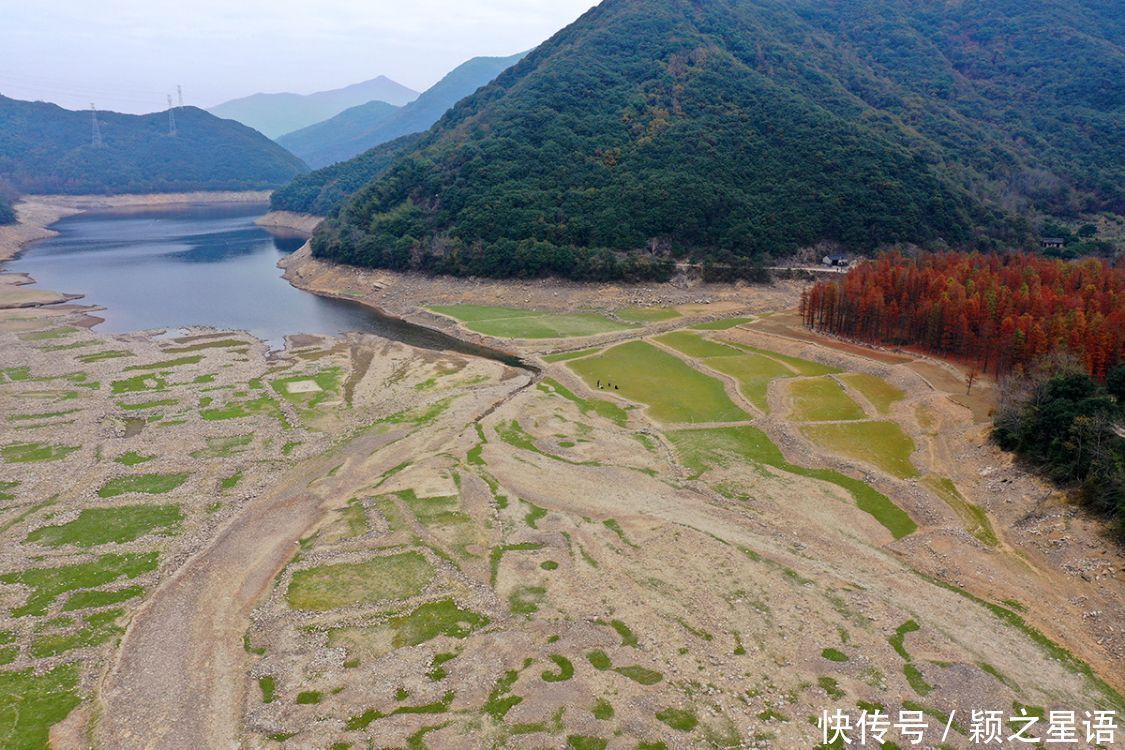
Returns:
point(178, 679)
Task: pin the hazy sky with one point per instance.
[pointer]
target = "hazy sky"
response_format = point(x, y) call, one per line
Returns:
point(125, 55)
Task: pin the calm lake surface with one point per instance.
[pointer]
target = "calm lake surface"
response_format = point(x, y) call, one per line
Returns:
point(211, 266)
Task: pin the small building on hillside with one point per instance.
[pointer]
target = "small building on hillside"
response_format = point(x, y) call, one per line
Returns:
point(1052, 243)
point(837, 261)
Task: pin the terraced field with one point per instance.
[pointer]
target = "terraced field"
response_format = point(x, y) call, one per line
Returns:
point(689, 534)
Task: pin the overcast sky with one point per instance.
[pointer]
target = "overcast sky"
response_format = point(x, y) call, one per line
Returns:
point(125, 55)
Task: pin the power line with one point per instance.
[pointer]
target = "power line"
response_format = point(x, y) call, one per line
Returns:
point(96, 136)
point(171, 118)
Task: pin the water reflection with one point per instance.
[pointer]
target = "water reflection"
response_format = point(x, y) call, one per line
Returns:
point(172, 268)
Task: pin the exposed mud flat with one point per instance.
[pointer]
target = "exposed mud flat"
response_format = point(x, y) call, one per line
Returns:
point(353, 542)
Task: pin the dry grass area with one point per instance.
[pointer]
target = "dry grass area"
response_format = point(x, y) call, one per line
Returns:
point(352, 543)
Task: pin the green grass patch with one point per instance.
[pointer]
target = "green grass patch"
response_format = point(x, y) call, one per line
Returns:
point(365, 719)
point(599, 660)
point(528, 324)
point(701, 450)
point(721, 325)
point(48, 584)
point(327, 381)
point(430, 620)
point(145, 484)
point(132, 458)
point(437, 671)
point(628, 638)
point(585, 742)
point(754, 374)
point(917, 683)
point(31, 703)
point(822, 400)
point(148, 404)
point(898, 640)
point(640, 675)
point(880, 444)
point(247, 408)
point(95, 526)
point(139, 384)
point(613, 525)
point(96, 599)
point(879, 392)
point(647, 314)
point(41, 416)
point(308, 697)
point(835, 655)
point(803, 367)
point(99, 627)
point(567, 356)
point(974, 517)
point(268, 686)
point(49, 334)
point(672, 390)
point(231, 482)
point(102, 356)
point(166, 364)
point(224, 447)
point(564, 673)
point(220, 344)
point(603, 710)
point(433, 511)
point(525, 600)
point(680, 719)
point(26, 453)
point(381, 579)
point(601, 407)
point(421, 416)
point(830, 686)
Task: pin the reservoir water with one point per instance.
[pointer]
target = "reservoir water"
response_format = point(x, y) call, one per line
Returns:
point(206, 265)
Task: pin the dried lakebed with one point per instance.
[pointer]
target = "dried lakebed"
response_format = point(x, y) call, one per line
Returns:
point(352, 542)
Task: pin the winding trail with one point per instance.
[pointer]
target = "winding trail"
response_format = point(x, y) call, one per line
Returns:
point(178, 679)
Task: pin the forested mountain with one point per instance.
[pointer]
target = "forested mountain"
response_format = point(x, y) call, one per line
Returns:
point(278, 114)
point(324, 191)
point(356, 130)
point(728, 129)
point(7, 213)
point(47, 149)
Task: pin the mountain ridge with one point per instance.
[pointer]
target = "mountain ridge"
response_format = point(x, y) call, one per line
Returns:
point(275, 114)
point(730, 131)
point(358, 129)
point(47, 149)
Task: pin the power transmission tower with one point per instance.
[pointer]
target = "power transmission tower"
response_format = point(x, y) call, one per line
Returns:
point(180, 93)
point(171, 118)
point(96, 135)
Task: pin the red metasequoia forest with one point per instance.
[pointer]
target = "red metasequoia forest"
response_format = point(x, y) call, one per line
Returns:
point(994, 311)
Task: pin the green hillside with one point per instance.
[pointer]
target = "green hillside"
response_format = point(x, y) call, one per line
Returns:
point(7, 213)
point(358, 129)
point(47, 149)
point(735, 130)
point(324, 191)
point(278, 114)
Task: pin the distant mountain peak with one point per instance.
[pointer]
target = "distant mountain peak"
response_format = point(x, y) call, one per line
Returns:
point(281, 113)
point(355, 130)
